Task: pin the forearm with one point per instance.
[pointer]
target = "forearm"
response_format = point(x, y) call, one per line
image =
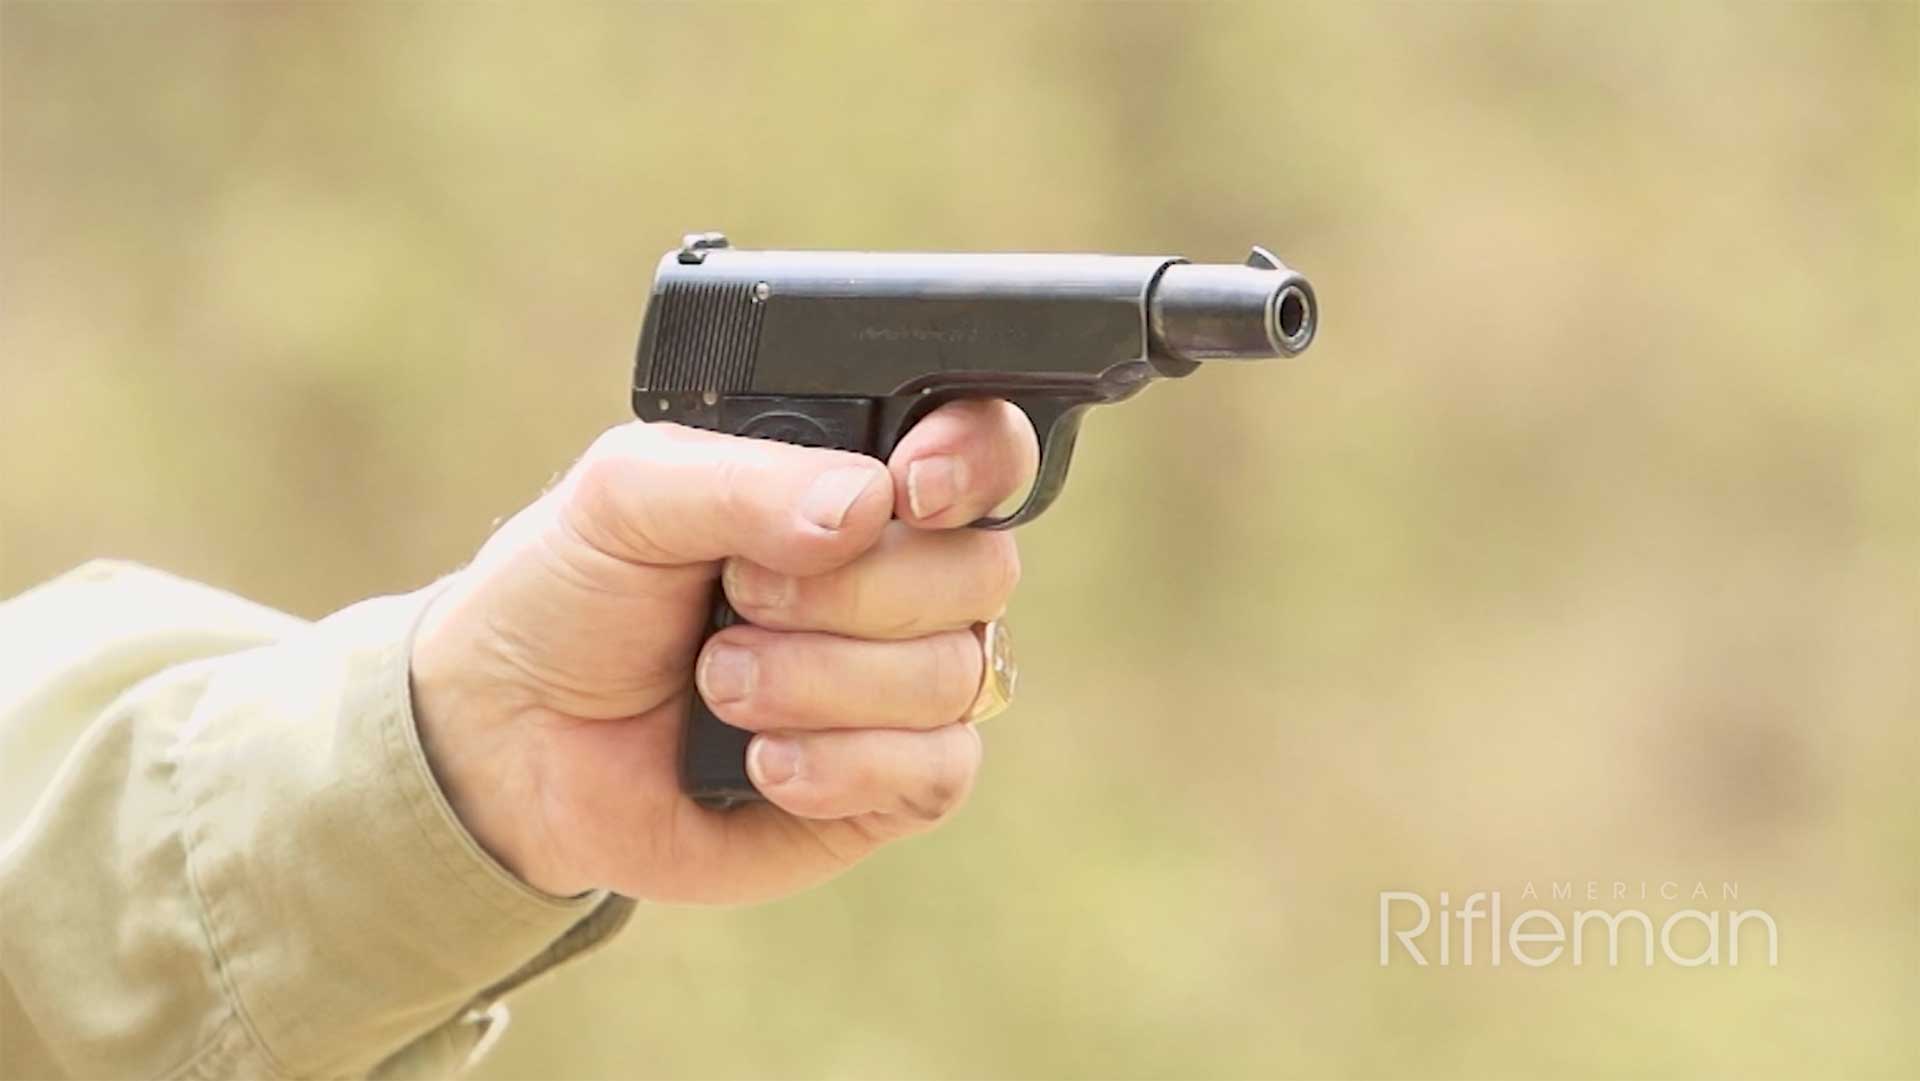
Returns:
point(245, 867)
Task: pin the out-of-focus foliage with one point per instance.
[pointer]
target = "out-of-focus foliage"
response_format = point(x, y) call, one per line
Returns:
point(1582, 547)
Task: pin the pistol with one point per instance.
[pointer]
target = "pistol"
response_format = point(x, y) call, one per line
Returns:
point(848, 350)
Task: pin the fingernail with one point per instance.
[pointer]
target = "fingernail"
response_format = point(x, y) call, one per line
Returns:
point(832, 495)
point(934, 484)
point(753, 586)
point(773, 761)
point(726, 674)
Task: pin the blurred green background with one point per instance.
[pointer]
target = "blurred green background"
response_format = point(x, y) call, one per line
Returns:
point(1582, 547)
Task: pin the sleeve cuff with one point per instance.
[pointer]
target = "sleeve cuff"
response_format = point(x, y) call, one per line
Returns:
point(347, 906)
point(441, 834)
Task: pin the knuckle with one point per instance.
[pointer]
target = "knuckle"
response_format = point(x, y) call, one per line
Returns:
point(596, 509)
point(957, 665)
point(1014, 441)
point(615, 441)
point(951, 761)
point(1002, 571)
point(601, 469)
point(598, 474)
point(605, 488)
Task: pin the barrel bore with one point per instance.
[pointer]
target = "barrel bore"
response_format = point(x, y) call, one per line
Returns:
point(1293, 315)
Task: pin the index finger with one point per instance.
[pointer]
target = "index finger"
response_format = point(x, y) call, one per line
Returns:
point(964, 459)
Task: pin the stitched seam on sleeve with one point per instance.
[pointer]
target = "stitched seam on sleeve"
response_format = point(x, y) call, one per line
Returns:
point(203, 909)
point(218, 1056)
point(199, 1054)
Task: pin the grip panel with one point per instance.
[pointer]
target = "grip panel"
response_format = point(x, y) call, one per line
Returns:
point(713, 753)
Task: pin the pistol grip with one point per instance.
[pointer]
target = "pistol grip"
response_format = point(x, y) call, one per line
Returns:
point(713, 753)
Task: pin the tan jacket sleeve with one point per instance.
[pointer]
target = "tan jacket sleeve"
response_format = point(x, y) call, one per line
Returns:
point(225, 854)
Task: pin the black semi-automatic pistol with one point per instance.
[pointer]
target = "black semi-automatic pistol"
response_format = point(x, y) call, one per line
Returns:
point(849, 350)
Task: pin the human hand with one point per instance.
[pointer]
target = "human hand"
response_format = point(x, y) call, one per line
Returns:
point(551, 681)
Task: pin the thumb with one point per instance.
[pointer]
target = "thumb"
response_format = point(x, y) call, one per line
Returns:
point(666, 494)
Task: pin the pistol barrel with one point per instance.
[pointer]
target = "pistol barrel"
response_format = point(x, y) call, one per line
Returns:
point(1214, 312)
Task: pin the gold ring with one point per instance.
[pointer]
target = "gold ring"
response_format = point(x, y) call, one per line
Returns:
point(998, 673)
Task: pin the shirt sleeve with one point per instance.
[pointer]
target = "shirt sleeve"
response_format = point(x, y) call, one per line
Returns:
point(226, 854)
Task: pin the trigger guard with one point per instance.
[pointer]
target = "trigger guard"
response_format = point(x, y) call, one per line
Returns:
point(1057, 426)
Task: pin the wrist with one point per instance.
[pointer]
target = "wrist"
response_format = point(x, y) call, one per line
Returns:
point(478, 752)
